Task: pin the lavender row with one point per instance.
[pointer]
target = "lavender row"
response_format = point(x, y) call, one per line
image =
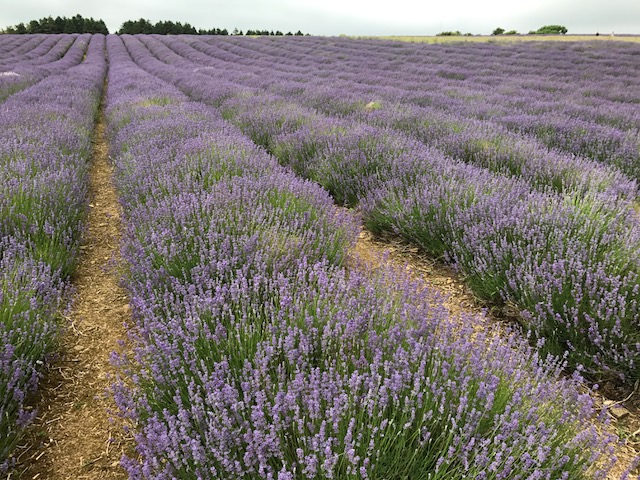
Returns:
point(549, 119)
point(28, 48)
point(15, 46)
point(488, 76)
point(570, 264)
point(66, 53)
point(572, 79)
point(260, 357)
point(45, 140)
point(478, 142)
point(52, 48)
point(554, 127)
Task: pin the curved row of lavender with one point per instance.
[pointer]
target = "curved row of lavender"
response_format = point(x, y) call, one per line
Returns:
point(551, 77)
point(45, 143)
point(16, 47)
point(478, 142)
point(580, 81)
point(569, 263)
point(32, 49)
point(259, 355)
point(561, 105)
point(51, 57)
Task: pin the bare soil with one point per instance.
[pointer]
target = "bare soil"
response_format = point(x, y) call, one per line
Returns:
point(74, 436)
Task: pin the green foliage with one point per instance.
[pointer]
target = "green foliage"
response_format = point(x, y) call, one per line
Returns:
point(551, 30)
point(144, 26)
point(449, 34)
point(511, 32)
point(75, 24)
point(498, 31)
point(168, 27)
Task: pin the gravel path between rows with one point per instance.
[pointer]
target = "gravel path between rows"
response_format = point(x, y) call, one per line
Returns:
point(74, 436)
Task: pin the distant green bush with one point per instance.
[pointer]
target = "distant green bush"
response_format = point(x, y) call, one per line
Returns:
point(550, 30)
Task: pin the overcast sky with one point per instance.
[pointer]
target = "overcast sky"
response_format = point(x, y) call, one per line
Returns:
point(353, 17)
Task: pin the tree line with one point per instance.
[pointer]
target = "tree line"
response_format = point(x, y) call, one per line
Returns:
point(142, 25)
point(133, 27)
point(546, 30)
point(78, 24)
point(75, 24)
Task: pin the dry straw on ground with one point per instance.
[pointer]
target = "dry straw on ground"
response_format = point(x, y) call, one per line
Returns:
point(73, 436)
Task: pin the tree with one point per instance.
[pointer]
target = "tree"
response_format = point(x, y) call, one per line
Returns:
point(47, 25)
point(551, 30)
point(136, 26)
point(78, 24)
point(34, 27)
point(59, 24)
point(75, 24)
point(68, 26)
point(498, 31)
point(101, 27)
point(511, 32)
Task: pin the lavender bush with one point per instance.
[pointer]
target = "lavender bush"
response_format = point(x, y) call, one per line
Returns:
point(439, 203)
point(320, 374)
point(338, 78)
point(258, 355)
point(53, 56)
point(31, 296)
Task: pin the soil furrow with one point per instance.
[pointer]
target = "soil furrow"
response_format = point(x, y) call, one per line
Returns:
point(74, 436)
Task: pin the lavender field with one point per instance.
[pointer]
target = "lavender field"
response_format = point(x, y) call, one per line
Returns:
point(261, 348)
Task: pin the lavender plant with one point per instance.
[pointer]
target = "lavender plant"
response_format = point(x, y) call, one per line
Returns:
point(31, 297)
point(359, 78)
point(445, 193)
point(324, 374)
point(53, 56)
point(261, 359)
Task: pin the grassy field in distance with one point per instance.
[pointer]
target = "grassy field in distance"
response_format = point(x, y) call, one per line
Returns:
point(503, 38)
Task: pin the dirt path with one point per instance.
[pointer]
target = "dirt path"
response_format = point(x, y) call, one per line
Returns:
point(73, 437)
point(458, 297)
point(624, 406)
